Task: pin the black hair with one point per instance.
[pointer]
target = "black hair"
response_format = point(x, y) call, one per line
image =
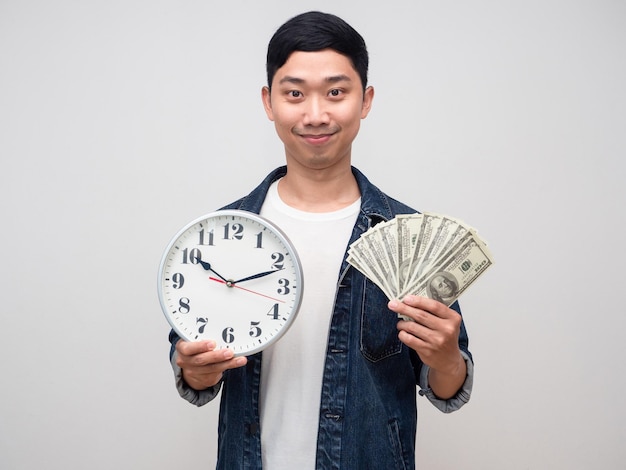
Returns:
point(315, 31)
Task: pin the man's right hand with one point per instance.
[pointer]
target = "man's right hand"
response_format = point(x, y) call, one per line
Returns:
point(202, 365)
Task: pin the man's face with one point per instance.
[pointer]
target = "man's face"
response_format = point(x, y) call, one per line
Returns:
point(442, 286)
point(316, 104)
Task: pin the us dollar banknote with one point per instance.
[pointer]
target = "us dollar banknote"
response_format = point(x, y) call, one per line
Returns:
point(426, 254)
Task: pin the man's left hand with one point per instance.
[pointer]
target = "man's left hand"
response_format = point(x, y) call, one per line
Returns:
point(434, 336)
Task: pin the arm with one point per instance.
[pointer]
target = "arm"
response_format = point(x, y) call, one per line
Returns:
point(434, 336)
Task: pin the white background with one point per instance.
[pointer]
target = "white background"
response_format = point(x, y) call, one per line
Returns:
point(120, 121)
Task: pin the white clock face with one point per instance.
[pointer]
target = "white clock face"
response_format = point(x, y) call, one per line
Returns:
point(231, 277)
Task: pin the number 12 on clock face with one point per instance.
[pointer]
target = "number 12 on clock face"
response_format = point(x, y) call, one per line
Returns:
point(233, 277)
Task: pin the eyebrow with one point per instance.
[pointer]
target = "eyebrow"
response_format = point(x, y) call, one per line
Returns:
point(300, 81)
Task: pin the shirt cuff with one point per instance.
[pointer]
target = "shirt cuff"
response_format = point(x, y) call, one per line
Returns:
point(461, 397)
point(195, 397)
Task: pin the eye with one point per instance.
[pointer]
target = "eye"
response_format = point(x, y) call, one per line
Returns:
point(294, 94)
point(334, 92)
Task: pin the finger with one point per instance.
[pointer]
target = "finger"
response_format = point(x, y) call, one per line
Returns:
point(191, 348)
point(429, 305)
point(418, 315)
point(415, 329)
point(412, 340)
point(209, 358)
point(214, 360)
point(232, 363)
point(217, 367)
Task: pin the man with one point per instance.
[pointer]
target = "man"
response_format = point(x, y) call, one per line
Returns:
point(339, 389)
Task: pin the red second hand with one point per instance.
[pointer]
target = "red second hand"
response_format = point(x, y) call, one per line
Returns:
point(247, 290)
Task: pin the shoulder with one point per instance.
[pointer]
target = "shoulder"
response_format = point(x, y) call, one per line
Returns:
point(376, 202)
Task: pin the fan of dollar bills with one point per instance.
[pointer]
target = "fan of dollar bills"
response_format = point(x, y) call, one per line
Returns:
point(426, 254)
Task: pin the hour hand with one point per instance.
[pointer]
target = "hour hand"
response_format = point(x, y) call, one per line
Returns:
point(207, 266)
point(255, 276)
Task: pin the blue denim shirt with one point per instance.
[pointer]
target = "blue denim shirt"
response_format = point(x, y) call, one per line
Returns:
point(368, 410)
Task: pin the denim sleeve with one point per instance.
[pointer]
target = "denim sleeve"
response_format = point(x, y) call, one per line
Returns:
point(461, 397)
point(195, 397)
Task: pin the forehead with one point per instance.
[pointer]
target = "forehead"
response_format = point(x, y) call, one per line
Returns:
point(315, 67)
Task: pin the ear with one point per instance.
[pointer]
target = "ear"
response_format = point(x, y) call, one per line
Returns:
point(266, 96)
point(368, 97)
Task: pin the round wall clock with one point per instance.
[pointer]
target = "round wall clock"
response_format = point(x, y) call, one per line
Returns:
point(233, 277)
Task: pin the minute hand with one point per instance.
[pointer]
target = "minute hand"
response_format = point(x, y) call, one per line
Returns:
point(256, 276)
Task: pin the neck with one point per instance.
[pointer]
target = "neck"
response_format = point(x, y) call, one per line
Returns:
point(319, 190)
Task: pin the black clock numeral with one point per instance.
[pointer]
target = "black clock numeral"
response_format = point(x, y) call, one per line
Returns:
point(233, 232)
point(227, 335)
point(279, 260)
point(191, 256)
point(284, 289)
point(183, 305)
point(273, 312)
point(259, 240)
point(178, 280)
point(203, 322)
point(255, 331)
point(205, 238)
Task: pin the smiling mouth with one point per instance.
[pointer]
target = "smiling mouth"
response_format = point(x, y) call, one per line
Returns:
point(316, 139)
point(320, 137)
point(316, 136)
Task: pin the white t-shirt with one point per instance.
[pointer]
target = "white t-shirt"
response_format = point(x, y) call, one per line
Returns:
point(292, 368)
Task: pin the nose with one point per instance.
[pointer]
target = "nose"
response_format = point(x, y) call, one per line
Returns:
point(315, 112)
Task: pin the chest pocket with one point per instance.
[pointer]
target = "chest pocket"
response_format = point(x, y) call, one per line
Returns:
point(379, 335)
